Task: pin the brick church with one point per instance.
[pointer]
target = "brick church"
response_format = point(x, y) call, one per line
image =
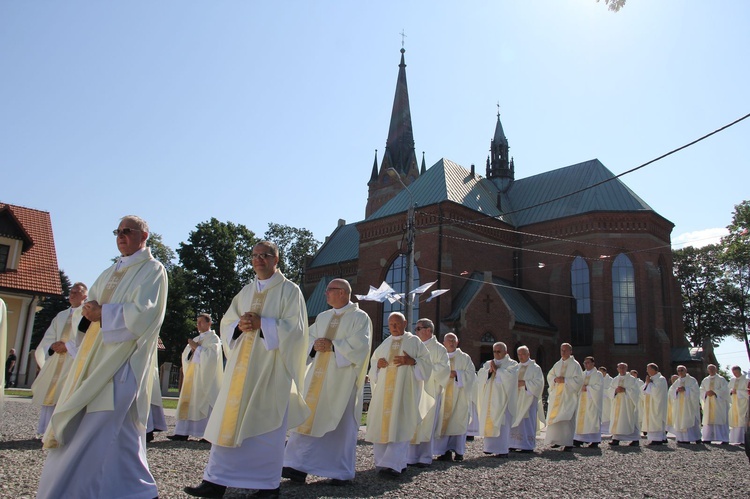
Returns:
point(570, 255)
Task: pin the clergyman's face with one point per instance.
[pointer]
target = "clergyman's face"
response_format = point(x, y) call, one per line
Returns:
point(203, 324)
point(523, 355)
point(622, 369)
point(76, 296)
point(450, 343)
point(396, 325)
point(130, 241)
point(588, 364)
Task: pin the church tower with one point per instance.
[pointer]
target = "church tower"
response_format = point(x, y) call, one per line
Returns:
point(399, 150)
point(500, 168)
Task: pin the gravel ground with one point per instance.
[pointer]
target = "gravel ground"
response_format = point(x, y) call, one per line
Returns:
point(669, 471)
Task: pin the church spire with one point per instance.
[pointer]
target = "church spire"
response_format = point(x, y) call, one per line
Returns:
point(399, 148)
point(499, 166)
point(424, 166)
point(374, 174)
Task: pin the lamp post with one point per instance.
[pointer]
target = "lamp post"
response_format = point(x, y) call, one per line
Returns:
point(410, 232)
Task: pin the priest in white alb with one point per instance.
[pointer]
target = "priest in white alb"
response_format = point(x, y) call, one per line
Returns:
point(326, 443)
point(715, 404)
point(589, 417)
point(685, 397)
point(97, 435)
point(54, 355)
point(453, 419)
point(421, 447)
point(398, 369)
point(738, 398)
point(565, 380)
point(202, 377)
point(654, 402)
point(528, 403)
point(497, 388)
point(265, 332)
point(626, 397)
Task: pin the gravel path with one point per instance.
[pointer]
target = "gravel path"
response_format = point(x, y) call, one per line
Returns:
point(698, 471)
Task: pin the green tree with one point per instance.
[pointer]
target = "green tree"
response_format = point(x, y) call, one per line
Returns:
point(295, 245)
point(701, 278)
point(179, 320)
point(736, 262)
point(161, 251)
point(217, 263)
point(50, 307)
point(614, 5)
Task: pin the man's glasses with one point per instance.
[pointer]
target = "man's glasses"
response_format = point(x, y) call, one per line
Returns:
point(262, 256)
point(419, 328)
point(125, 232)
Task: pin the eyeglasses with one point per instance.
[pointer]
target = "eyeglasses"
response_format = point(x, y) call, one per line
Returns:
point(419, 328)
point(125, 232)
point(497, 351)
point(262, 256)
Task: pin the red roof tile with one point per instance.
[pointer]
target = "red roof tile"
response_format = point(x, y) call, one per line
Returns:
point(37, 271)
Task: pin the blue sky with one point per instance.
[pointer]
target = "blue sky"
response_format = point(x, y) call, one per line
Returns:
point(258, 112)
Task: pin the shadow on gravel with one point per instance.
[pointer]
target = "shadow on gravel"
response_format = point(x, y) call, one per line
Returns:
point(28, 444)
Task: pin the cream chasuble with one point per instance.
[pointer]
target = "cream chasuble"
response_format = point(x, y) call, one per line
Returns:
point(563, 397)
point(654, 416)
point(140, 289)
point(498, 392)
point(259, 384)
point(685, 405)
point(203, 373)
point(54, 370)
point(715, 409)
point(738, 400)
point(433, 388)
point(588, 419)
point(454, 414)
point(394, 411)
point(624, 405)
point(328, 385)
point(532, 374)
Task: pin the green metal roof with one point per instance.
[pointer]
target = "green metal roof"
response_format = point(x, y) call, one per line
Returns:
point(447, 181)
point(518, 302)
point(341, 246)
point(316, 302)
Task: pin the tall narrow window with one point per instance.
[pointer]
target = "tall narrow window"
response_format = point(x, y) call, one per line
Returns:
point(4, 252)
point(581, 331)
point(396, 278)
point(623, 301)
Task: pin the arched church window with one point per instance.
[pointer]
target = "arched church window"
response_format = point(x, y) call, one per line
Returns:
point(487, 338)
point(580, 284)
point(623, 301)
point(396, 278)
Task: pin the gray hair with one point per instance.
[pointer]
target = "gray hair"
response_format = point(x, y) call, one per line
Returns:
point(141, 223)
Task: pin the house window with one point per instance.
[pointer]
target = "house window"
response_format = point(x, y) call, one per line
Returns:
point(581, 331)
point(623, 301)
point(4, 253)
point(396, 278)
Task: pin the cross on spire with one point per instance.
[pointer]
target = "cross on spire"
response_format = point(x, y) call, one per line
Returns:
point(403, 36)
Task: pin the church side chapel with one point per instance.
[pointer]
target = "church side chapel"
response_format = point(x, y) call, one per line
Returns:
point(532, 261)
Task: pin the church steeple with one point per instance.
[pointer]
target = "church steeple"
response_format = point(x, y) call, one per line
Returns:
point(499, 164)
point(399, 149)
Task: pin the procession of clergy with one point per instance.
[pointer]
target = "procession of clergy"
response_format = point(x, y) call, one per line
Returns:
point(289, 401)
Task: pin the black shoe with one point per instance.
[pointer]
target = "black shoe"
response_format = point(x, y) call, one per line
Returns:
point(266, 493)
point(502, 456)
point(149, 436)
point(204, 441)
point(634, 443)
point(654, 443)
point(614, 442)
point(338, 483)
point(525, 451)
point(554, 446)
point(445, 457)
point(725, 443)
point(296, 476)
point(577, 443)
point(594, 445)
point(567, 448)
point(421, 465)
point(389, 473)
point(470, 438)
point(206, 489)
point(177, 438)
point(459, 457)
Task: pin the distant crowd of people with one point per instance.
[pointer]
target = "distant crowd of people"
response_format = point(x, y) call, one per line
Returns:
point(288, 402)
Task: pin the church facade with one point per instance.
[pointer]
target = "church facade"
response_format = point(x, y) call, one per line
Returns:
point(570, 255)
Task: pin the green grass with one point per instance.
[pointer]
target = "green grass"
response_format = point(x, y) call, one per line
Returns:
point(18, 393)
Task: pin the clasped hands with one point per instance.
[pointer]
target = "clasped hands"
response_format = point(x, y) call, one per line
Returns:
point(92, 311)
point(59, 347)
point(323, 345)
point(250, 321)
point(398, 360)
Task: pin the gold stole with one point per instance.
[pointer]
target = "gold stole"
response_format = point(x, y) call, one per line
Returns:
point(582, 406)
point(187, 391)
point(618, 404)
point(681, 403)
point(239, 375)
point(49, 397)
point(646, 410)
point(93, 332)
point(316, 384)
point(390, 387)
point(711, 403)
point(734, 419)
point(448, 399)
point(559, 388)
point(488, 426)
